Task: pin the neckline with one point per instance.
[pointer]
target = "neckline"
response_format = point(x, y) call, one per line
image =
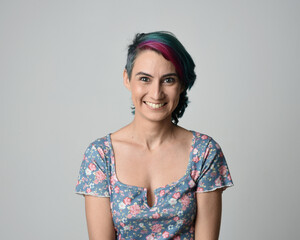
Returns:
point(187, 172)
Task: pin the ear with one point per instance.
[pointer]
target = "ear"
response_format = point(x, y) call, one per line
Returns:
point(126, 80)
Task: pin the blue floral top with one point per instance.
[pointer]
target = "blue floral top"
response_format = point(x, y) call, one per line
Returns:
point(173, 214)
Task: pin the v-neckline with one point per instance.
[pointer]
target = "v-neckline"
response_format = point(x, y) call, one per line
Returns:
point(143, 189)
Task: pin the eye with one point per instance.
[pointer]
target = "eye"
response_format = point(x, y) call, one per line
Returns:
point(144, 79)
point(169, 80)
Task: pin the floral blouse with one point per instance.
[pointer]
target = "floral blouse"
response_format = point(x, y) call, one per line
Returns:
point(173, 214)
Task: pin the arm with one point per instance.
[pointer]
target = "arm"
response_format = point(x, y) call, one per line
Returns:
point(208, 218)
point(99, 218)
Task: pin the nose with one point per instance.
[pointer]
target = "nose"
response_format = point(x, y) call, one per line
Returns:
point(156, 90)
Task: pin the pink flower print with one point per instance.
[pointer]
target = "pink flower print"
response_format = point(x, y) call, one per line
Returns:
point(218, 181)
point(165, 234)
point(176, 195)
point(195, 151)
point(162, 192)
point(213, 174)
point(150, 237)
point(129, 216)
point(135, 209)
point(196, 159)
point(113, 179)
point(195, 174)
point(122, 224)
point(117, 189)
point(88, 190)
point(100, 176)
point(185, 200)
point(127, 200)
point(204, 137)
point(100, 151)
point(200, 189)
point(206, 153)
point(156, 228)
point(217, 146)
point(191, 183)
point(176, 218)
point(106, 143)
point(176, 238)
point(229, 177)
point(165, 210)
point(223, 170)
point(155, 215)
point(92, 167)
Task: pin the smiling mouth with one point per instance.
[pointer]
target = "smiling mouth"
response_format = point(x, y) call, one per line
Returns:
point(155, 105)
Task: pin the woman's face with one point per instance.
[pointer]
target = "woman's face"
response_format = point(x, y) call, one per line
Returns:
point(155, 86)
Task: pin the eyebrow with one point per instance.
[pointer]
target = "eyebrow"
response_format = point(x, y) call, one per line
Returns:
point(149, 75)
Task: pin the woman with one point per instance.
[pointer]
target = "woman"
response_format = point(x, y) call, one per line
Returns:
point(153, 179)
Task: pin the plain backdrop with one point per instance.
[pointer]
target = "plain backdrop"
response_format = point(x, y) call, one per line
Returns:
point(61, 65)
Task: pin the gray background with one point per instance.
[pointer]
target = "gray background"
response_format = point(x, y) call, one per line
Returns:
point(61, 88)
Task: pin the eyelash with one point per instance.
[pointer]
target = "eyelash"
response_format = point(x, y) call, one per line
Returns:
point(166, 80)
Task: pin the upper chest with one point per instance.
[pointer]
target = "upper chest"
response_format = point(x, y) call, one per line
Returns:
point(151, 169)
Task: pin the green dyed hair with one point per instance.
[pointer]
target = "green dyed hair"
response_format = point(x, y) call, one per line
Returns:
point(172, 50)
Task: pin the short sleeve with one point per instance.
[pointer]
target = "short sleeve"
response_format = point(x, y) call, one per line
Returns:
point(92, 179)
point(214, 173)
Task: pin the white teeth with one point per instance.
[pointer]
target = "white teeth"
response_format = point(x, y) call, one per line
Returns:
point(153, 105)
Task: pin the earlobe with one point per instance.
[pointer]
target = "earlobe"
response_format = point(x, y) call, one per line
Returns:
point(126, 80)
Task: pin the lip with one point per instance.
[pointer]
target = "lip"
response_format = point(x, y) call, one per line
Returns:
point(155, 106)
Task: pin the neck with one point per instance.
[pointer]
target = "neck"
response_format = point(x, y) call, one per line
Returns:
point(151, 134)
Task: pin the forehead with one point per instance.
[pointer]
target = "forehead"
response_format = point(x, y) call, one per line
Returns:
point(152, 61)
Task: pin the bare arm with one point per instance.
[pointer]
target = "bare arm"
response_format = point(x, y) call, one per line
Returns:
point(208, 218)
point(99, 218)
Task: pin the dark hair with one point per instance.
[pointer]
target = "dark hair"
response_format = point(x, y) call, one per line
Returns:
point(172, 50)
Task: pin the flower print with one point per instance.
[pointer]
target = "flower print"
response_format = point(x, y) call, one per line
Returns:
point(122, 224)
point(165, 234)
point(200, 189)
point(113, 179)
point(141, 225)
point(162, 192)
point(223, 170)
point(204, 137)
point(117, 189)
point(180, 213)
point(179, 222)
point(195, 174)
point(150, 237)
point(122, 205)
point(170, 227)
point(92, 167)
point(196, 159)
point(156, 215)
point(100, 176)
point(176, 218)
point(229, 177)
point(156, 228)
point(106, 143)
point(176, 195)
point(126, 228)
point(100, 151)
point(213, 174)
point(127, 201)
point(176, 238)
point(135, 209)
point(217, 146)
point(218, 181)
point(206, 153)
point(165, 210)
point(88, 190)
point(185, 200)
point(192, 183)
point(129, 216)
point(88, 172)
point(195, 151)
point(172, 201)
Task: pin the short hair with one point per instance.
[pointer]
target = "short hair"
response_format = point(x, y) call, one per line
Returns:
point(172, 50)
